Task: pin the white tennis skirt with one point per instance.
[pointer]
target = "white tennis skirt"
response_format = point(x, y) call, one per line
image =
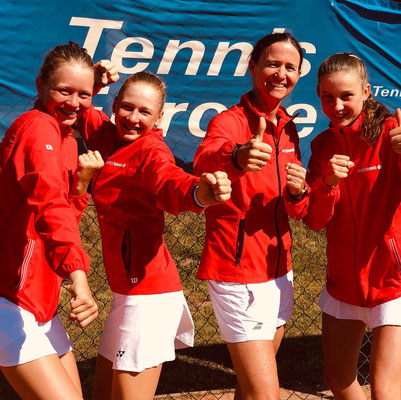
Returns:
point(252, 311)
point(388, 313)
point(143, 331)
point(23, 339)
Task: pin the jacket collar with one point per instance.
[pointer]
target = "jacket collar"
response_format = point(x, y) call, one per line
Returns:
point(352, 129)
point(65, 132)
point(250, 104)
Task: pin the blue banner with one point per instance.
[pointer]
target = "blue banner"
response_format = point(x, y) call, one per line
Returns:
point(201, 49)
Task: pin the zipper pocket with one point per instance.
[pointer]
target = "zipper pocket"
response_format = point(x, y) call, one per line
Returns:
point(25, 263)
point(126, 252)
point(240, 242)
point(396, 254)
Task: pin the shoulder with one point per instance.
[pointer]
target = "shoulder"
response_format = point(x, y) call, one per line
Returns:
point(36, 126)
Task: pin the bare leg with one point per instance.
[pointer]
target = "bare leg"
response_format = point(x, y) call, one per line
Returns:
point(70, 365)
point(135, 385)
point(103, 379)
point(255, 365)
point(276, 344)
point(44, 378)
point(385, 363)
point(342, 340)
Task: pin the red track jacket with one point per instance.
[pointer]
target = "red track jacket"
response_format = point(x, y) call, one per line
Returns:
point(362, 215)
point(39, 237)
point(138, 182)
point(248, 239)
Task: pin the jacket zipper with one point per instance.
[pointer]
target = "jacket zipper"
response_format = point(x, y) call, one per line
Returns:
point(240, 242)
point(25, 263)
point(355, 224)
point(126, 252)
point(279, 240)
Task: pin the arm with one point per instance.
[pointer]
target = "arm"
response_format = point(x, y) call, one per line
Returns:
point(37, 162)
point(221, 150)
point(176, 190)
point(323, 196)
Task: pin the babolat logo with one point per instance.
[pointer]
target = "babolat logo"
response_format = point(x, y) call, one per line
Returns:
point(120, 353)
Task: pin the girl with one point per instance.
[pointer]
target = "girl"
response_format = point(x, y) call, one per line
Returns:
point(39, 240)
point(246, 258)
point(355, 176)
point(140, 181)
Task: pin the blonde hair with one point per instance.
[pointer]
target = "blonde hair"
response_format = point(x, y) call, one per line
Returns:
point(63, 54)
point(149, 78)
point(374, 111)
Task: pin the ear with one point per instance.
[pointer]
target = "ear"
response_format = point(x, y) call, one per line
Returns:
point(39, 86)
point(366, 92)
point(251, 67)
point(318, 91)
point(159, 118)
point(115, 105)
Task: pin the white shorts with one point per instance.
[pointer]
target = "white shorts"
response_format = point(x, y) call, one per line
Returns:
point(384, 314)
point(142, 331)
point(252, 311)
point(23, 339)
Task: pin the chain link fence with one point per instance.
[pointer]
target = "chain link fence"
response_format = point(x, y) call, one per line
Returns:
point(205, 371)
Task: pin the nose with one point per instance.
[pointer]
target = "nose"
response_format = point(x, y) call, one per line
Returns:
point(338, 105)
point(73, 100)
point(281, 72)
point(133, 116)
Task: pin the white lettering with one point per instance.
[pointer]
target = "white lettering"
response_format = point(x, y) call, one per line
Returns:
point(120, 52)
point(309, 49)
point(376, 88)
point(173, 47)
point(169, 110)
point(96, 27)
point(197, 114)
point(222, 50)
point(310, 118)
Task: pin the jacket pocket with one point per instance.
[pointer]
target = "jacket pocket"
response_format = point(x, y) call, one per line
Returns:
point(25, 264)
point(240, 242)
point(395, 252)
point(126, 252)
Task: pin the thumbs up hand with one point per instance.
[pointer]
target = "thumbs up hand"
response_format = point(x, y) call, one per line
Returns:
point(395, 134)
point(253, 155)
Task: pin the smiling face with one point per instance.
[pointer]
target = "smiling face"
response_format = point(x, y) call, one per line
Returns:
point(342, 95)
point(275, 74)
point(67, 93)
point(137, 110)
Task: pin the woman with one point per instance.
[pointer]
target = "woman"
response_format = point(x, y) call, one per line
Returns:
point(354, 172)
point(246, 258)
point(139, 182)
point(45, 197)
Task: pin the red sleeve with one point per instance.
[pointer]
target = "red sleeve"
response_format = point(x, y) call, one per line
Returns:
point(39, 173)
point(215, 153)
point(171, 185)
point(79, 204)
point(296, 208)
point(323, 198)
point(97, 131)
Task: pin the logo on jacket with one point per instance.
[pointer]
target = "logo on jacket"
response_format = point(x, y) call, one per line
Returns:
point(292, 150)
point(375, 167)
point(49, 147)
point(134, 280)
point(120, 353)
point(116, 164)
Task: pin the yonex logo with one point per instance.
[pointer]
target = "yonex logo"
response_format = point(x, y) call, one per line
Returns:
point(258, 326)
point(49, 147)
point(120, 353)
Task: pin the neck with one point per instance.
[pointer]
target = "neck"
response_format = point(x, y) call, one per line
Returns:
point(269, 109)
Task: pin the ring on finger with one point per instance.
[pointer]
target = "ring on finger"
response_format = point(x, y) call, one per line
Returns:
point(289, 177)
